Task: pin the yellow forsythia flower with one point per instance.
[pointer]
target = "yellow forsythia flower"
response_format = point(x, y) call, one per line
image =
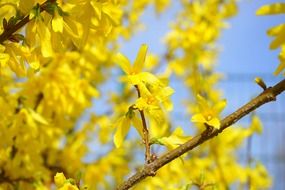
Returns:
point(175, 139)
point(57, 22)
point(123, 127)
point(126, 66)
point(208, 114)
point(152, 90)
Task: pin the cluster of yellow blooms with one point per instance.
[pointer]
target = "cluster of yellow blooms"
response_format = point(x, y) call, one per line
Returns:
point(277, 32)
point(191, 54)
point(54, 57)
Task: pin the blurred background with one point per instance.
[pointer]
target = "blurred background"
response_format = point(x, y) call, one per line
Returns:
point(244, 55)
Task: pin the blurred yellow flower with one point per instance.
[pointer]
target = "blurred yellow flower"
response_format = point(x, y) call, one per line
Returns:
point(278, 32)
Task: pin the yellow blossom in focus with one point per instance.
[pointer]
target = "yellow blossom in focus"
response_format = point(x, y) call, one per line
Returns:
point(123, 125)
point(175, 139)
point(208, 114)
point(57, 22)
point(19, 55)
point(152, 91)
point(134, 73)
point(37, 27)
point(137, 67)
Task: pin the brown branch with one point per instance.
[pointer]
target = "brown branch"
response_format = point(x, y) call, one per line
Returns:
point(145, 132)
point(11, 30)
point(266, 96)
point(39, 98)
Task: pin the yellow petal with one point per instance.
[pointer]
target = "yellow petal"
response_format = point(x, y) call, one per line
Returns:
point(280, 68)
point(278, 41)
point(138, 125)
point(168, 105)
point(45, 38)
point(139, 62)
point(131, 79)
point(276, 8)
point(68, 186)
point(218, 108)
point(37, 117)
point(175, 139)
point(35, 64)
point(141, 103)
point(59, 179)
point(202, 102)
point(26, 6)
point(123, 126)
point(114, 12)
point(57, 23)
point(156, 113)
point(123, 62)
point(198, 118)
point(215, 122)
point(149, 78)
point(70, 27)
point(4, 58)
point(164, 93)
point(276, 30)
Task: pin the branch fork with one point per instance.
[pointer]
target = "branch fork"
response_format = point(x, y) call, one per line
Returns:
point(268, 95)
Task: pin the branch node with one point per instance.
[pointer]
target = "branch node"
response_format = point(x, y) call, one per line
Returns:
point(260, 83)
point(153, 173)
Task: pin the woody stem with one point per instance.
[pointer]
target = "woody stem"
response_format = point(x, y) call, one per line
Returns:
point(145, 132)
point(268, 95)
point(10, 31)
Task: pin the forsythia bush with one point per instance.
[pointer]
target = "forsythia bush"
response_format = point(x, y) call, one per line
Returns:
point(56, 56)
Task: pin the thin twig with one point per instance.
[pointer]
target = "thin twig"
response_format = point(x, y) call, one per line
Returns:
point(40, 97)
point(10, 31)
point(145, 132)
point(266, 96)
